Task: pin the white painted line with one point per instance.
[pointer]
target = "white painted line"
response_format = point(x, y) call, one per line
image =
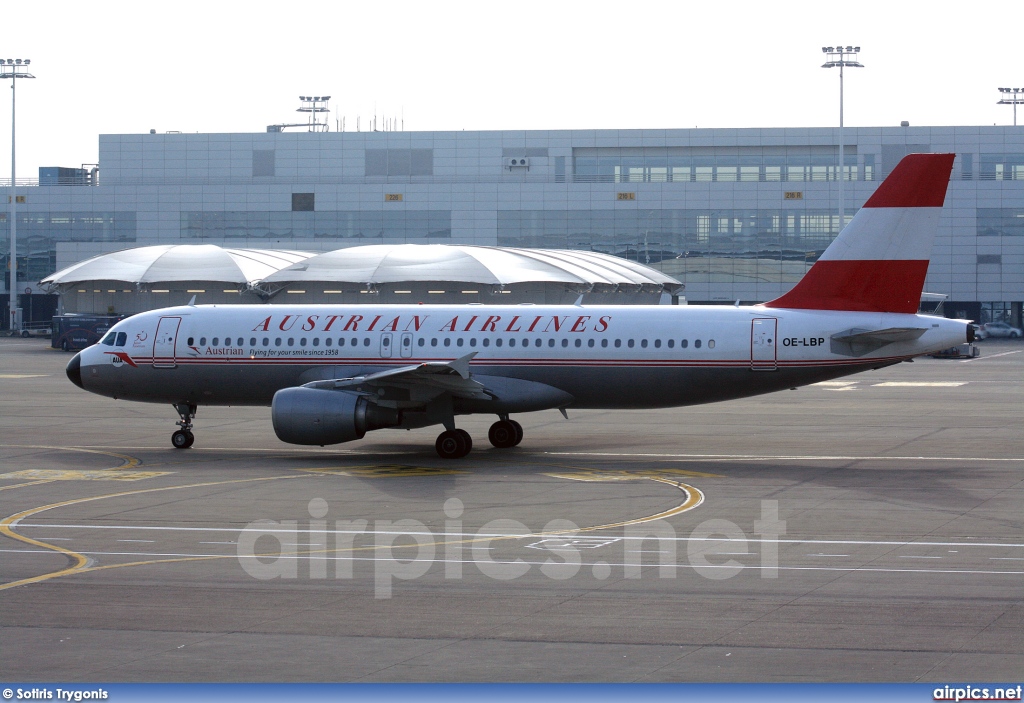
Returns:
point(371, 533)
point(1008, 558)
point(218, 543)
point(762, 457)
point(23, 375)
point(991, 356)
point(915, 556)
point(149, 541)
point(741, 567)
point(828, 555)
point(919, 384)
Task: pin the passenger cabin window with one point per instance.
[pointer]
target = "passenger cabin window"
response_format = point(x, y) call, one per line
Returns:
point(215, 340)
point(202, 341)
point(696, 344)
point(252, 341)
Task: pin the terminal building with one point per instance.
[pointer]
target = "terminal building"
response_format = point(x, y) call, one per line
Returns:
point(732, 214)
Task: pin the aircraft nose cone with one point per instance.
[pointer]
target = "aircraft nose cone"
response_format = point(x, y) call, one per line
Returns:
point(74, 370)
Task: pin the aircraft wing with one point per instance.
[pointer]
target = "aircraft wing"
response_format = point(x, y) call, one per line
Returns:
point(416, 383)
point(858, 341)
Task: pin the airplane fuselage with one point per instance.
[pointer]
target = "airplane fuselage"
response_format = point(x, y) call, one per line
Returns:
point(594, 356)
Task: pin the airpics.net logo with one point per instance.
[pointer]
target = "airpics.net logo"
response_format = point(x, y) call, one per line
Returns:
point(502, 549)
point(974, 692)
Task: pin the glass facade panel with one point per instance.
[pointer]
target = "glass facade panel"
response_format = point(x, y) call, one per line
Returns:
point(39, 232)
point(651, 236)
point(1001, 167)
point(337, 224)
point(671, 164)
point(1000, 222)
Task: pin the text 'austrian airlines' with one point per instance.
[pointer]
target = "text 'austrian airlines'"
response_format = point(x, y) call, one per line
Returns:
point(332, 373)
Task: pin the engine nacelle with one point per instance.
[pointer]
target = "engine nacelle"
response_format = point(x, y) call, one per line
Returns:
point(315, 416)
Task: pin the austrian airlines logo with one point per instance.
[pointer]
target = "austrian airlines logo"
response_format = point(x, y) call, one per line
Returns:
point(118, 358)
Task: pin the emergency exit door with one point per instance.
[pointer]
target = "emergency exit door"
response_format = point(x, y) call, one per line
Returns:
point(762, 344)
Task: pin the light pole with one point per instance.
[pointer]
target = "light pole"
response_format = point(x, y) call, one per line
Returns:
point(14, 69)
point(838, 56)
point(1012, 96)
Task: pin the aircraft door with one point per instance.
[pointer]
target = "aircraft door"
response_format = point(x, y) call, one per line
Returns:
point(406, 345)
point(385, 345)
point(762, 344)
point(164, 343)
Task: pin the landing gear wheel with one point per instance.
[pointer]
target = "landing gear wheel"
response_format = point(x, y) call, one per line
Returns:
point(451, 444)
point(469, 441)
point(182, 439)
point(503, 435)
point(519, 432)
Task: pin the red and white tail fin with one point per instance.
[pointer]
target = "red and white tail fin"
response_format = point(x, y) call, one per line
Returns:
point(879, 261)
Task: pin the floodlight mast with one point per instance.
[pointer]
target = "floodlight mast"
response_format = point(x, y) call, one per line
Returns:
point(314, 105)
point(841, 57)
point(13, 69)
point(1012, 96)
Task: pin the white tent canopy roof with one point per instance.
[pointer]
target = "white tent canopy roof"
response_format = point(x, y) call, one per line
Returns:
point(182, 262)
point(398, 263)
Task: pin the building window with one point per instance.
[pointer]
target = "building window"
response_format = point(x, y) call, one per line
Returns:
point(303, 202)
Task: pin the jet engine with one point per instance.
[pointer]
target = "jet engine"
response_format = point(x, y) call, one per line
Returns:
point(316, 416)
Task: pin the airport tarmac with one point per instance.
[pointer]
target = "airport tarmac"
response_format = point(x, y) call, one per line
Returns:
point(868, 529)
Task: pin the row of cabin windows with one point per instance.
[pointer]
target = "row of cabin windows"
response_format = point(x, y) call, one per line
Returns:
point(447, 342)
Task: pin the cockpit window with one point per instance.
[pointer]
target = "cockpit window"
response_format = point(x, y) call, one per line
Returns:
point(109, 339)
point(122, 339)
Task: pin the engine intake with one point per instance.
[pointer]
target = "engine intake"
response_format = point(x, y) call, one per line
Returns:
point(316, 416)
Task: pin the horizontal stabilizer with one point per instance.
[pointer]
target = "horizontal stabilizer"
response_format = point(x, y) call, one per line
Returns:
point(858, 341)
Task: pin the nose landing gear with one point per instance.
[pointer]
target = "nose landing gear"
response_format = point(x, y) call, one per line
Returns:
point(183, 438)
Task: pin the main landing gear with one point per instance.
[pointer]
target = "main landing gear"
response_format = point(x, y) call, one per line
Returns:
point(455, 444)
point(183, 438)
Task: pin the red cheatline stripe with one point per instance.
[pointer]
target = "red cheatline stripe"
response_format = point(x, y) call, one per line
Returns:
point(919, 180)
point(624, 363)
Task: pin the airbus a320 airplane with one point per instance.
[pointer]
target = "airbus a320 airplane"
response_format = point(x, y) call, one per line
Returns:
point(332, 373)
